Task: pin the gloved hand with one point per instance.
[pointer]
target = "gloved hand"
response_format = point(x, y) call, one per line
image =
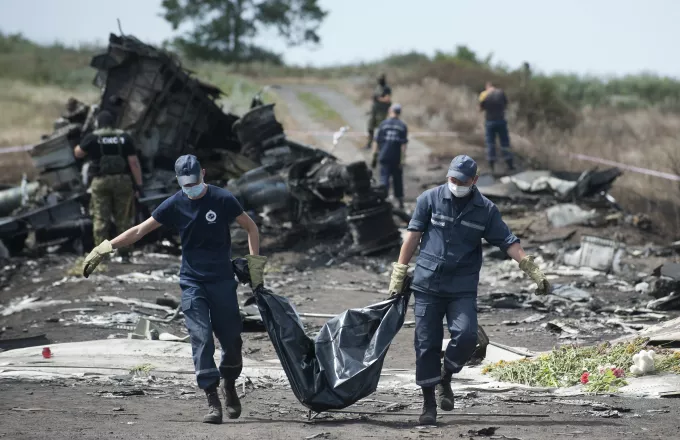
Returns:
point(256, 268)
point(96, 256)
point(397, 279)
point(530, 268)
point(374, 161)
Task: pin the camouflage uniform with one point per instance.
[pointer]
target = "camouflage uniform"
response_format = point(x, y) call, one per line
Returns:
point(378, 111)
point(112, 196)
point(112, 191)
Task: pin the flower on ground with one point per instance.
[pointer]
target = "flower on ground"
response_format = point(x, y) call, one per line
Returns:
point(584, 378)
point(618, 372)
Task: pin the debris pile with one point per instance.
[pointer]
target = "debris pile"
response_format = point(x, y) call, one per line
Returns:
point(169, 112)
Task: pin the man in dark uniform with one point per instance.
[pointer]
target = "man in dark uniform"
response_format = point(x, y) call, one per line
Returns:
point(390, 150)
point(493, 102)
point(382, 98)
point(449, 223)
point(113, 157)
point(202, 215)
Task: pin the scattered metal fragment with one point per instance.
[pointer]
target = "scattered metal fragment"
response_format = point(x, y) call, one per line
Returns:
point(670, 302)
point(569, 214)
point(485, 432)
point(560, 327)
point(29, 303)
point(596, 253)
point(319, 435)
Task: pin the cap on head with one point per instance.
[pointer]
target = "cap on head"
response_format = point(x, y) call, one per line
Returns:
point(463, 168)
point(105, 119)
point(187, 169)
point(396, 108)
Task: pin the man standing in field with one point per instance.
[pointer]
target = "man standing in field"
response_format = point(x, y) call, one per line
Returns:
point(493, 102)
point(202, 215)
point(390, 150)
point(382, 98)
point(113, 159)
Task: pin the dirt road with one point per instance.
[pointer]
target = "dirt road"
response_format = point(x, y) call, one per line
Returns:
point(68, 410)
point(418, 164)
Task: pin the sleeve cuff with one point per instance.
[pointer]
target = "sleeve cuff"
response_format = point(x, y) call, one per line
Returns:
point(416, 225)
point(509, 241)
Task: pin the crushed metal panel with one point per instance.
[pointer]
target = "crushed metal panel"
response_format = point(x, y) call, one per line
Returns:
point(146, 87)
point(596, 253)
point(569, 214)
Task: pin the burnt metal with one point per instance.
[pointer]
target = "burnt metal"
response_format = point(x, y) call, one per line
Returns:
point(169, 112)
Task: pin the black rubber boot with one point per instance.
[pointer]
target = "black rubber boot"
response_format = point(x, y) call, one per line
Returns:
point(232, 405)
point(401, 203)
point(444, 391)
point(429, 414)
point(491, 166)
point(215, 406)
point(510, 165)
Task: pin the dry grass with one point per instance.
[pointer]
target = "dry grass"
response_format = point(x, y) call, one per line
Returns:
point(28, 112)
point(642, 138)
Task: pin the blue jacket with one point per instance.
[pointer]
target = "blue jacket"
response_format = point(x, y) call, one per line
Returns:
point(392, 134)
point(451, 246)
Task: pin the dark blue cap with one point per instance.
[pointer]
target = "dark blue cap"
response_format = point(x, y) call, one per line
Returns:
point(187, 169)
point(463, 168)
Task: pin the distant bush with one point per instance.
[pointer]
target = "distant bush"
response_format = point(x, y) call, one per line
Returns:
point(44, 65)
point(406, 59)
point(628, 91)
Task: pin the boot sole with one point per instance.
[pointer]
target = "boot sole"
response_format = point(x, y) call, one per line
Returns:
point(446, 404)
point(213, 422)
point(427, 421)
point(234, 415)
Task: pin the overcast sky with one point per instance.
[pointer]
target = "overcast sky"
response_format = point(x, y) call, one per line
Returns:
point(604, 37)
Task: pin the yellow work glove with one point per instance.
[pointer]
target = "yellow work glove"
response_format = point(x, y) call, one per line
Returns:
point(530, 268)
point(397, 280)
point(256, 268)
point(96, 256)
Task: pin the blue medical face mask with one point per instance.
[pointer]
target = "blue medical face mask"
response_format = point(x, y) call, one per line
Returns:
point(194, 191)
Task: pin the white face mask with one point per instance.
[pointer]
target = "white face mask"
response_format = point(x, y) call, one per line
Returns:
point(459, 191)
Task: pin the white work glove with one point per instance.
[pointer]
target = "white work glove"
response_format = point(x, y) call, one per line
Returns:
point(397, 279)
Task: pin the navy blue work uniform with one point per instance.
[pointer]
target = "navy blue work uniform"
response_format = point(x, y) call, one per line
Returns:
point(207, 279)
point(447, 274)
point(392, 134)
point(494, 105)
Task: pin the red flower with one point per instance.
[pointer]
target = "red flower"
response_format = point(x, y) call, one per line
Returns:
point(584, 377)
point(618, 372)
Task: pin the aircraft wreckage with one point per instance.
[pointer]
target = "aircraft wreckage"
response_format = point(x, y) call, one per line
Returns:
point(169, 112)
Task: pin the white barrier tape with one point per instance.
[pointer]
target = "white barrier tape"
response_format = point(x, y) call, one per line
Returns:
point(15, 149)
point(365, 134)
point(634, 169)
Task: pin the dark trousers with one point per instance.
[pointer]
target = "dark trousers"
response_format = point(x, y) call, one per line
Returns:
point(461, 318)
point(212, 307)
point(394, 171)
point(497, 129)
